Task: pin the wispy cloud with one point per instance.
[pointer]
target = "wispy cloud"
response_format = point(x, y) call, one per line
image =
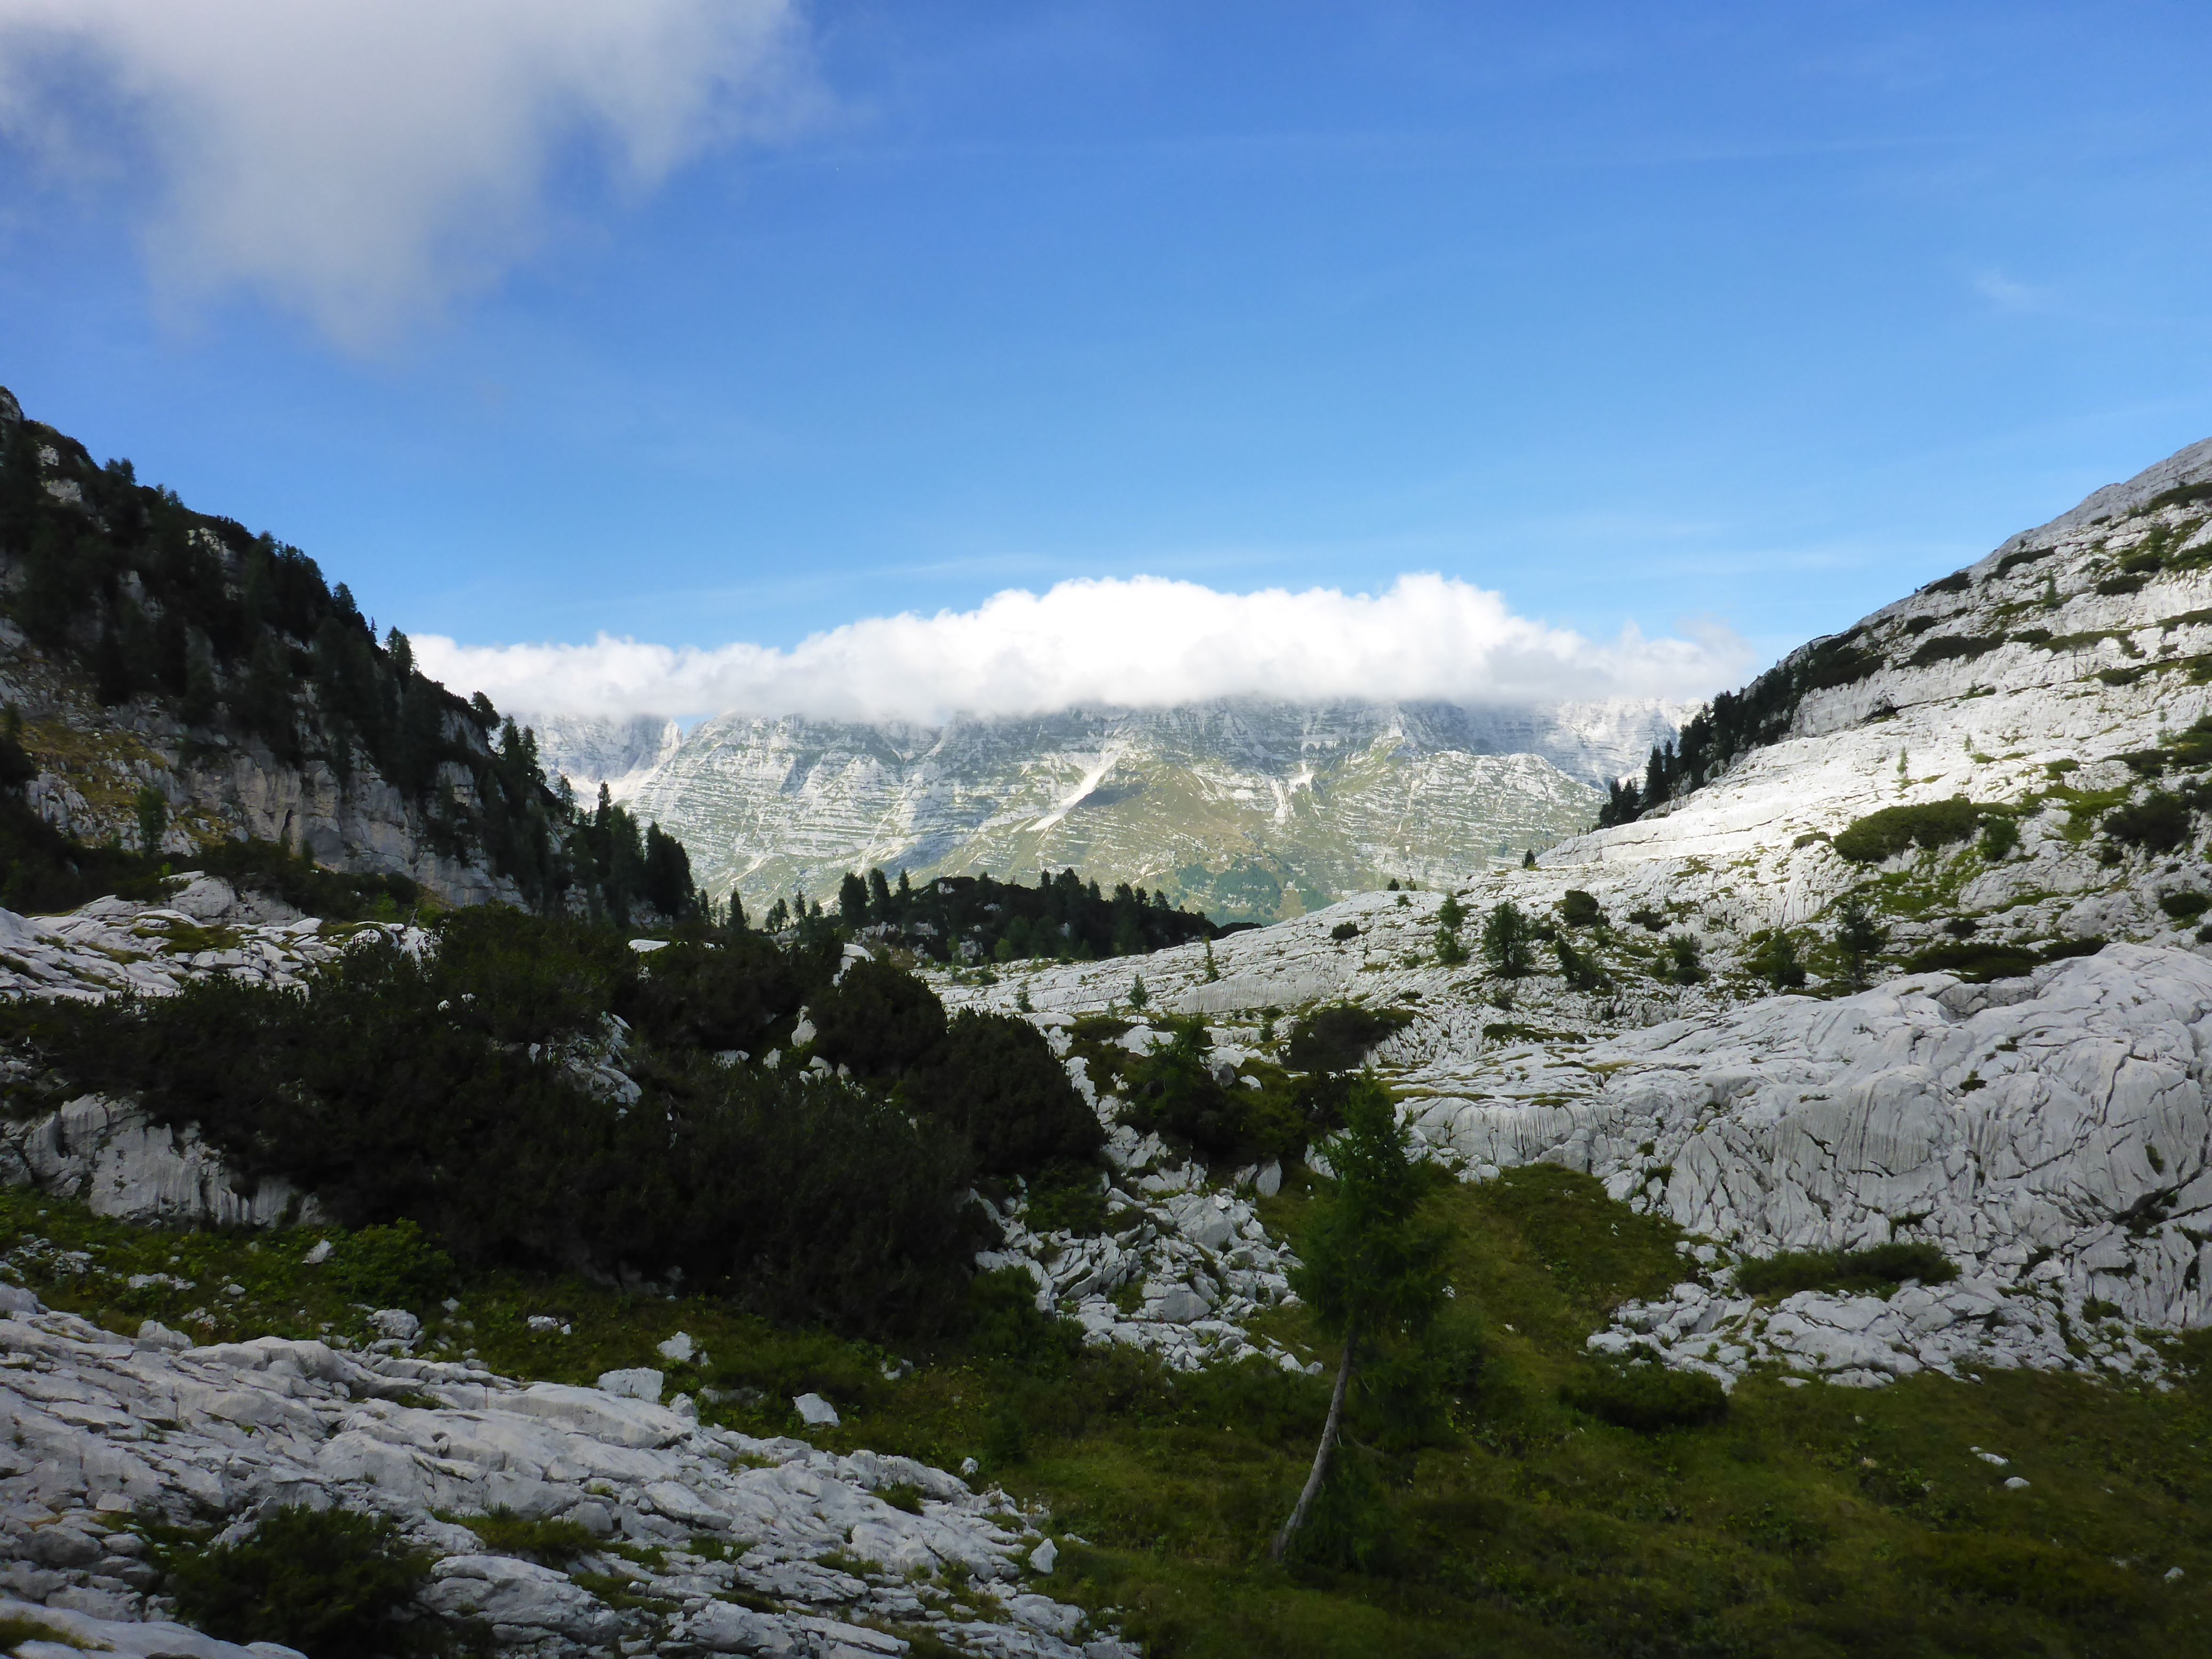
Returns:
point(2007, 294)
point(361, 161)
point(1145, 641)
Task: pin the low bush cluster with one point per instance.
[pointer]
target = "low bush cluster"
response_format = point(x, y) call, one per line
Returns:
point(437, 1092)
point(330, 1583)
point(1879, 1267)
point(1980, 961)
point(993, 1079)
point(2159, 822)
point(1339, 1037)
point(1580, 909)
point(1174, 1090)
point(1885, 833)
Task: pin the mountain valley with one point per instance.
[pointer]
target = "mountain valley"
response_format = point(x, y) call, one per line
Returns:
point(1813, 1164)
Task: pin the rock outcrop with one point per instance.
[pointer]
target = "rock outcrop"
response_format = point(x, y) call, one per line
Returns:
point(724, 1543)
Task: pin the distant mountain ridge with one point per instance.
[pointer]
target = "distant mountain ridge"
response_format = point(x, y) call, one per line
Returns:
point(1252, 809)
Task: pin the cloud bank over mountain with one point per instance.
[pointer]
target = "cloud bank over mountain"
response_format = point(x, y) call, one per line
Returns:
point(361, 160)
point(1140, 642)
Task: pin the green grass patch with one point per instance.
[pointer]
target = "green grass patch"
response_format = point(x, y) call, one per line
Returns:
point(17, 1628)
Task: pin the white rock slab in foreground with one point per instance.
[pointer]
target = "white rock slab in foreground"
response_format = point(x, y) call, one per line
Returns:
point(76, 1632)
point(95, 1429)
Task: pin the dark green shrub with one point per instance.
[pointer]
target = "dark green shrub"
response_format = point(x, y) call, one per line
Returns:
point(2185, 907)
point(1977, 962)
point(1858, 937)
point(2061, 950)
point(1581, 972)
point(1343, 931)
point(2000, 836)
point(1957, 582)
point(1004, 1323)
point(1952, 647)
point(1650, 920)
point(1066, 1197)
point(993, 1079)
point(1006, 1439)
point(1777, 962)
point(392, 1266)
point(522, 979)
point(1353, 1525)
point(1337, 1037)
point(815, 1200)
point(1885, 833)
point(714, 996)
point(1174, 1090)
point(325, 1581)
point(1883, 1267)
point(550, 1543)
point(1686, 959)
point(1580, 909)
point(1647, 1398)
point(879, 1020)
point(2159, 822)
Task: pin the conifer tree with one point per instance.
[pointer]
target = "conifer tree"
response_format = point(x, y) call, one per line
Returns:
point(1509, 941)
point(1373, 1265)
point(1856, 936)
point(853, 901)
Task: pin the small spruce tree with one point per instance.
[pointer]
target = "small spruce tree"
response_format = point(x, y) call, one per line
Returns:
point(1856, 936)
point(1373, 1263)
point(153, 818)
point(1509, 941)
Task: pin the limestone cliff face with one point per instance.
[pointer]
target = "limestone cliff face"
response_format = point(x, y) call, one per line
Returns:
point(95, 761)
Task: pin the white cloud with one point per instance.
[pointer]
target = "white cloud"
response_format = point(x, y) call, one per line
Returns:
point(1141, 643)
point(2009, 294)
point(360, 161)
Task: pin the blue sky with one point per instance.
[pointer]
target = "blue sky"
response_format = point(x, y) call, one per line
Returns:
point(1743, 316)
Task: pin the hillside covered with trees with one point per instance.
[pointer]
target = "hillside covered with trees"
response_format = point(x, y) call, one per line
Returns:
point(160, 634)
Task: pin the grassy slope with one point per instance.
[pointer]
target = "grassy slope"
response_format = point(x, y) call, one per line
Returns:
point(1813, 1520)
